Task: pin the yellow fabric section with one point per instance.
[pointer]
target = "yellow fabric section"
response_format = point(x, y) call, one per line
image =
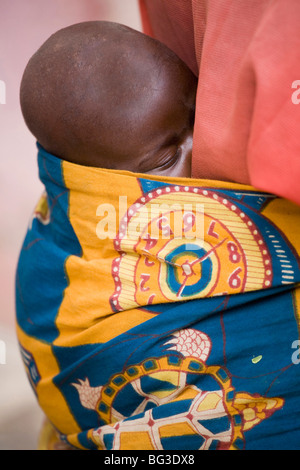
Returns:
point(49, 397)
point(80, 323)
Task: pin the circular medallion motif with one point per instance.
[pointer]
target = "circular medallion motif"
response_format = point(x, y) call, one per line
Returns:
point(178, 243)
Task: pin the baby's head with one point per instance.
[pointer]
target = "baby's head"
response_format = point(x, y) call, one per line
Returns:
point(102, 94)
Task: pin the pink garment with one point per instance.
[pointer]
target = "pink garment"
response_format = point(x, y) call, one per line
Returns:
point(247, 56)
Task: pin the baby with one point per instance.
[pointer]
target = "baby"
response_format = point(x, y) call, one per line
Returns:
point(102, 94)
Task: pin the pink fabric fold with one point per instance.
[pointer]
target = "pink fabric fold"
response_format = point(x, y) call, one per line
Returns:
point(247, 57)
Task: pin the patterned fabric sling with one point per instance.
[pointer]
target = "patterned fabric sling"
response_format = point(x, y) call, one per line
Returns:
point(160, 313)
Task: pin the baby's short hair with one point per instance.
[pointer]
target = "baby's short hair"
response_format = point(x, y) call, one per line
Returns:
point(87, 80)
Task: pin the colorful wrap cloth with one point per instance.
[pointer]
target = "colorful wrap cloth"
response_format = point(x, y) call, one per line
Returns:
point(160, 313)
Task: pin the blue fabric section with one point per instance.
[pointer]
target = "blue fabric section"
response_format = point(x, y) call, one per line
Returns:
point(216, 426)
point(149, 185)
point(41, 277)
point(240, 328)
point(86, 442)
point(256, 201)
point(189, 442)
